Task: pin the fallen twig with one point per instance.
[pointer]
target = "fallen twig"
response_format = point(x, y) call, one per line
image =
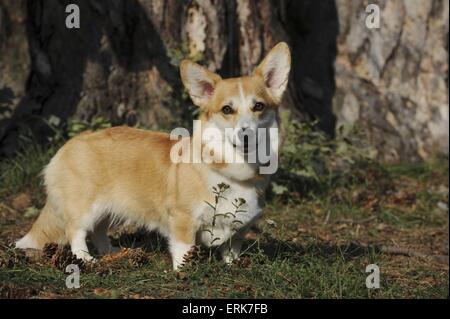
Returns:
point(409, 252)
point(395, 250)
point(353, 222)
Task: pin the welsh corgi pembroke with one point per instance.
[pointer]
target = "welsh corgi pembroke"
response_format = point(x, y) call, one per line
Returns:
point(131, 175)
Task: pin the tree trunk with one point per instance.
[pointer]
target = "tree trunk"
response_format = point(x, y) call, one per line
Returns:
point(393, 81)
point(15, 62)
point(123, 61)
point(122, 64)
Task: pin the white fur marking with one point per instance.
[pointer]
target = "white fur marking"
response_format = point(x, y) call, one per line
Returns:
point(26, 243)
point(178, 251)
point(79, 247)
point(241, 94)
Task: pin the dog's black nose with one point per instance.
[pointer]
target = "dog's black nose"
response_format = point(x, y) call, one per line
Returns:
point(242, 132)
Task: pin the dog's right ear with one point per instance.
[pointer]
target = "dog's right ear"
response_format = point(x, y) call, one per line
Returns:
point(199, 81)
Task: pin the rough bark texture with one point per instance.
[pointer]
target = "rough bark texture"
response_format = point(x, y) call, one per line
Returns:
point(122, 63)
point(393, 81)
point(15, 61)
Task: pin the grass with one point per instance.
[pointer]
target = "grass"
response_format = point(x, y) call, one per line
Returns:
point(309, 244)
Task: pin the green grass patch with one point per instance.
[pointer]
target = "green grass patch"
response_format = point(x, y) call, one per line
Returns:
point(327, 218)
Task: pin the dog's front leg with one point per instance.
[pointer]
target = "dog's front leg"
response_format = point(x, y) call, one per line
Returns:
point(231, 249)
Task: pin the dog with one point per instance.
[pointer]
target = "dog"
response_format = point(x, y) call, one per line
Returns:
point(128, 175)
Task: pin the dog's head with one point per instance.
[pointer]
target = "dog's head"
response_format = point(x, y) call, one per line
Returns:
point(240, 106)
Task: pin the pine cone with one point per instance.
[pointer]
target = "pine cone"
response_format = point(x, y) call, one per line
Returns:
point(64, 257)
point(138, 257)
point(12, 257)
point(49, 251)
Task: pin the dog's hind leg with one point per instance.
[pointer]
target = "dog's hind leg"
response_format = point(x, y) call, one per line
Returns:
point(100, 238)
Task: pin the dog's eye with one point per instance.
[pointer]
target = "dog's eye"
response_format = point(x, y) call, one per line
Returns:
point(227, 110)
point(258, 107)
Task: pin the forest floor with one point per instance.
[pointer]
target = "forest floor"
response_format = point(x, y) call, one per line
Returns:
point(313, 247)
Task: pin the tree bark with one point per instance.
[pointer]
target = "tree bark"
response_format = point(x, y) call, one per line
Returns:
point(393, 81)
point(15, 62)
point(122, 64)
point(123, 61)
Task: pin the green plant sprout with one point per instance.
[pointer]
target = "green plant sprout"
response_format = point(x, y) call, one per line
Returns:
point(237, 203)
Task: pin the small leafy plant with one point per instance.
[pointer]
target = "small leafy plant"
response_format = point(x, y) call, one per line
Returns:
point(237, 203)
point(218, 194)
point(312, 160)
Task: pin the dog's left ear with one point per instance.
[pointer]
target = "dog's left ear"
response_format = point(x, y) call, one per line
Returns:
point(274, 69)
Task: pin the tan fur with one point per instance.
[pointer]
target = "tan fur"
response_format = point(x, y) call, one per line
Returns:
point(48, 228)
point(252, 85)
point(128, 165)
point(132, 166)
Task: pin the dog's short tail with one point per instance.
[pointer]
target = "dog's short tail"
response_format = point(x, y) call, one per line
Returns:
point(48, 228)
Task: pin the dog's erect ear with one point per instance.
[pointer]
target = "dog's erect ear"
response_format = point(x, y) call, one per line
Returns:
point(274, 69)
point(199, 81)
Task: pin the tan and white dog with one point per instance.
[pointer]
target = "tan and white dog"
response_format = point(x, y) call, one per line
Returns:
point(128, 175)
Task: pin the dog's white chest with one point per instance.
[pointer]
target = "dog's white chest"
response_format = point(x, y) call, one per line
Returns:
point(234, 207)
